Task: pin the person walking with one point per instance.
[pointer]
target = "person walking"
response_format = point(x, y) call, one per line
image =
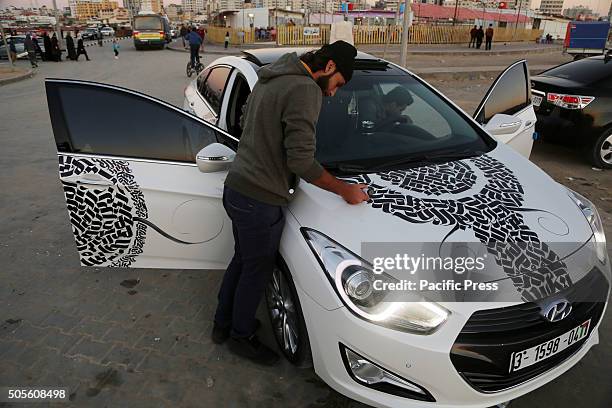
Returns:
point(81, 49)
point(183, 33)
point(12, 49)
point(195, 41)
point(479, 37)
point(37, 47)
point(28, 45)
point(473, 37)
point(48, 48)
point(116, 48)
point(227, 39)
point(70, 47)
point(277, 148)
point(56, 53)
point(489, 37)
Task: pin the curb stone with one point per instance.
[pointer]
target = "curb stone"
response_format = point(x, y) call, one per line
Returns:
point(27, 74)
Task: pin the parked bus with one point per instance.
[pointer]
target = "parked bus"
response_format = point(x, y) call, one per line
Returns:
point(151, 31)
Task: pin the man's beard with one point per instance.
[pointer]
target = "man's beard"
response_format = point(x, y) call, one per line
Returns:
point(323, 82)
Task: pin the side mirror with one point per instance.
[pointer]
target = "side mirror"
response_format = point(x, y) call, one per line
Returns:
point(502, 124)
point(215, 157)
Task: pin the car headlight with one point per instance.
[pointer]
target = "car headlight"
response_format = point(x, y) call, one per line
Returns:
point(355, 283)
point(592, 215)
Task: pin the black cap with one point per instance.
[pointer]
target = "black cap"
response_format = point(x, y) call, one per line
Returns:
point(343, 54)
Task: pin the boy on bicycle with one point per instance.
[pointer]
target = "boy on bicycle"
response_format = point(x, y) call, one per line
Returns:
point(195, 41)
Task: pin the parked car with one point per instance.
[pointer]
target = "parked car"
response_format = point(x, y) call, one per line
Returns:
point(573, 104)
point(90, 34)
point(19, 46)
point(107, 31)
point(148, 195)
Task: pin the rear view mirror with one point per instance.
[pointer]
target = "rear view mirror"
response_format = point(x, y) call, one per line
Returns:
point(502, 124)
point(215, 157)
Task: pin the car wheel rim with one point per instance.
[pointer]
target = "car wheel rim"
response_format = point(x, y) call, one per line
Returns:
point(606, 150)
point(282, 311)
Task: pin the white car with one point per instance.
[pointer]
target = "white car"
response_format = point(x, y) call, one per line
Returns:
point(148, 195)
point(107, 31)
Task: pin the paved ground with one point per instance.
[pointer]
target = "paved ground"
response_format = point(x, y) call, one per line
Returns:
point(139, 338)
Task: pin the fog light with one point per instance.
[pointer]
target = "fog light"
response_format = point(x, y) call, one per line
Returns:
point(373, 376)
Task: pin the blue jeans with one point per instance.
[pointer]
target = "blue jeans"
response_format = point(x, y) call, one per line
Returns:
point(195, 56)
point(257, 229)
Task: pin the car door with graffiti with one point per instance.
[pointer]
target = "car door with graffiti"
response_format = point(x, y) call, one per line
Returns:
point(134, 193)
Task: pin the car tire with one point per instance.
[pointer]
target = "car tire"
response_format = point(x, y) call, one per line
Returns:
point(286, 317)
point(600, 153)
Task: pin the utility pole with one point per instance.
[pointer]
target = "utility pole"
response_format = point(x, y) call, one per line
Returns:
point(405, 27)
point(8, 51)
point(455, 16)
point(517, 19)
point(60, 40)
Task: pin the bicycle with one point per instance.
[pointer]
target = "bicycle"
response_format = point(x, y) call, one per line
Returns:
point(191, 69)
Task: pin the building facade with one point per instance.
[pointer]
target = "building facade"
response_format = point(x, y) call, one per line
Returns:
point(86, 9)
point(552, 7)
point(194, 6)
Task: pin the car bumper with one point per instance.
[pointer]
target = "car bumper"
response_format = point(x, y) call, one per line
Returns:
point(565, 124)
point(150, 42)
point(423, 360)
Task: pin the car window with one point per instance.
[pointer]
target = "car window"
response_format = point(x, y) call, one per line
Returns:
point(509, 95)
point(128, 125)
point(374, 118)
point(213, 86)
point(585, 71)
point(201, 80)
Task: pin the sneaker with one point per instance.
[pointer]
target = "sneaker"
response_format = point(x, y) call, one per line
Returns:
point(221, 334)
point(251, 348)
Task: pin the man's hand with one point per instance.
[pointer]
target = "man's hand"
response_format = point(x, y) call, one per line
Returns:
point(354, 193)
point(351, 193)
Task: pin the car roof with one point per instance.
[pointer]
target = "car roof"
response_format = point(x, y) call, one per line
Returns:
point(265, 56)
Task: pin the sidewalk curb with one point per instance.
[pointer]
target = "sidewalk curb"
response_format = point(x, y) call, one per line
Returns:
point(471, 53)
point(229, 53)
point(91, 43)
point(28, 74)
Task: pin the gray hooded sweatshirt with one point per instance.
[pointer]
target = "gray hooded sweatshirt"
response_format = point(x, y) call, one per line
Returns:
point(277, 146)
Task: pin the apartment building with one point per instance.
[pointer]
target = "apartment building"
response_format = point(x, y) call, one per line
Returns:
point(553, 7)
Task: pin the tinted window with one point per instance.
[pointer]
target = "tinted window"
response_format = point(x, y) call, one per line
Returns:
point(509, 95)
point(585, 71)
point(376, 118)
point(212, 89)
point(128, 125)
point(148, 23)
point(202, 80)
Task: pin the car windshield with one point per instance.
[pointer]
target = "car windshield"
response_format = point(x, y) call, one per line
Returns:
point(148, 23)
point(380, 118)
point(585, 71)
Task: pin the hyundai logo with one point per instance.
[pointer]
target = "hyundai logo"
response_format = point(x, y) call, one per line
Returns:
point(558, 310)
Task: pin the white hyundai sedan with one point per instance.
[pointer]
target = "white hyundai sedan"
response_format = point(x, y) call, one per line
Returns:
point(147, 194)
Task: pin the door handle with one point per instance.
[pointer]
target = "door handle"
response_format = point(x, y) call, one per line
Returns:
point(87, 180)
point(528, 124)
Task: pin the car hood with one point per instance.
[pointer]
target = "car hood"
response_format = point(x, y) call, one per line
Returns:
point(499, 196)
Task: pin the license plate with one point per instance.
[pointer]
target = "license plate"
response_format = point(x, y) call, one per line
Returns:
point(536, 100)
point(541, 352)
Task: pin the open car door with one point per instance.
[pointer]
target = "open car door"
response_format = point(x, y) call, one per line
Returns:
point(135, 193)
point(506, 111)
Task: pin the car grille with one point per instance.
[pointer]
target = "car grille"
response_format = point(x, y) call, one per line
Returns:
point(482, 351)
